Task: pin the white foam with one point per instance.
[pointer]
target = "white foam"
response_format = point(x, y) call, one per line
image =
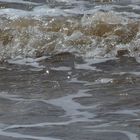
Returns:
point(61, 68)
point(26, 61)
point(24, 136)
point(130, 135)
point(45, 10)
point(14, 13)
point(126, 112)
point(18, 1)
point(131, 72)
point(104, 81)
point(86, 66)
point(12, 97)
point(71, 107)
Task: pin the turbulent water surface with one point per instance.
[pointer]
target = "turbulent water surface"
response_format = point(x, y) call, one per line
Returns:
point(69, 69)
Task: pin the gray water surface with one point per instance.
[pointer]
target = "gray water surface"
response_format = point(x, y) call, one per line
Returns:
point(65, 100)
point(64, 76)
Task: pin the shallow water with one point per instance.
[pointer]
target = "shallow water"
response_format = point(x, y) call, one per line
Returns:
point(69, 70)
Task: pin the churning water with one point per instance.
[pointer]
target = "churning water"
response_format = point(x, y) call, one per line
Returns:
point(69, 70)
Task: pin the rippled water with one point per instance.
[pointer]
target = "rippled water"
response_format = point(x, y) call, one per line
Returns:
point(69, 69)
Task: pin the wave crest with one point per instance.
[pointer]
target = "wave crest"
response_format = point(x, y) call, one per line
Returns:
point(103, 34)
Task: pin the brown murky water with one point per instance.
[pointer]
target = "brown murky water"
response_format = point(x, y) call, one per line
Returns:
point(69, 70)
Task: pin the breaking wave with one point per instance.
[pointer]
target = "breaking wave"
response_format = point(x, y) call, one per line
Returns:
point(99, 34)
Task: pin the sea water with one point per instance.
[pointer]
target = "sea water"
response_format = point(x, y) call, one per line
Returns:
point(69, 69)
